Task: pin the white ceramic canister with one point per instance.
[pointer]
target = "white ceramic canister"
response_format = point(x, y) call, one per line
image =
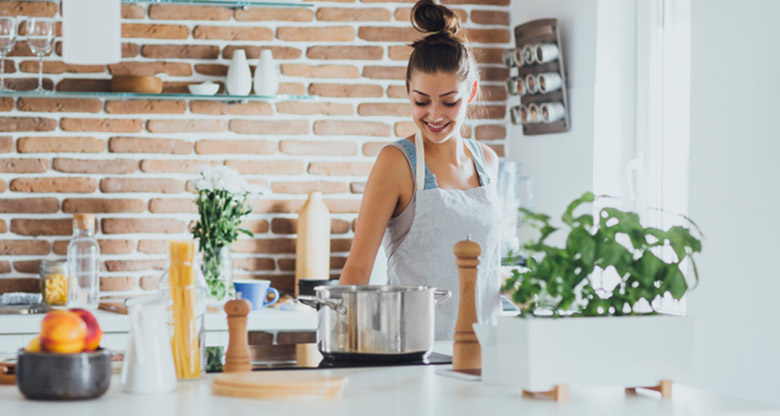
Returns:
point(239, 77)
point(552, 112)
point(549, 82)
point(546, 52)
point(266, 81)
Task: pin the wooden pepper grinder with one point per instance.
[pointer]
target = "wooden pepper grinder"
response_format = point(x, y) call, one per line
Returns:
point(237, 355)
point(466, 352)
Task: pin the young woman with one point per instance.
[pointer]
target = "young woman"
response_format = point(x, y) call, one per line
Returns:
point(430, 190)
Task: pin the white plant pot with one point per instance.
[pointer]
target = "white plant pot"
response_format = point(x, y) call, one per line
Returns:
point(537, 354)
point(266, 76)
point(239, 77)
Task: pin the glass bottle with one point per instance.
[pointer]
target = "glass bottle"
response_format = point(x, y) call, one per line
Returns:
point(84, 263)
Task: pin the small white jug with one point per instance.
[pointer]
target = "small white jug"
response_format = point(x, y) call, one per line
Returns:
point(148, 365)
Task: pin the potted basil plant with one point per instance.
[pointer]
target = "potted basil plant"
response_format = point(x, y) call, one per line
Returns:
point(573, 332)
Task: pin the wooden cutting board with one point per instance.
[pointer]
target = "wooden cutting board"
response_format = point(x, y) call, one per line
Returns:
point(278, 385)
point(7, 373)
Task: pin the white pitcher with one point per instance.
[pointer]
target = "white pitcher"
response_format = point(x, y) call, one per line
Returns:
point(148, 365)
point(239, 77)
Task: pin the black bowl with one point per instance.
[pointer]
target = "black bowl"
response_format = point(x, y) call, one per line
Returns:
point(306, 286)
point(48, 376)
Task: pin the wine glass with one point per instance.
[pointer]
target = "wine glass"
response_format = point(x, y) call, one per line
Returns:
point(40, 39)
point(7, 42)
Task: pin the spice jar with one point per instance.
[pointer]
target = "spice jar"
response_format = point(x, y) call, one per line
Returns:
point(54, 281)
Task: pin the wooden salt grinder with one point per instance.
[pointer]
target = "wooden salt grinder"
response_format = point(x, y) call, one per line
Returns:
point(466, 352)
point(237, 355)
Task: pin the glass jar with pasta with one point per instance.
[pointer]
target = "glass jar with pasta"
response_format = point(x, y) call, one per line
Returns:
point(54, 281)
point(183, 282)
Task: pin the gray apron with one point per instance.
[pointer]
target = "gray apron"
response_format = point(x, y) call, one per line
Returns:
point(441, 219)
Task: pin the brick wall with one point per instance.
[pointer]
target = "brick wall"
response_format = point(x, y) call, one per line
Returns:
point(131, 161)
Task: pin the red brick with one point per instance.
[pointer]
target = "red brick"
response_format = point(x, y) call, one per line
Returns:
point(312, 108)
point(135, 265)
point(6, 103)
point(47, 185)
point(175, 166)
point(343, 205)
point(24, 165)
point(90, 85)
point(256, 226)
point(3, 227)
point(385, 109)
point(253, 52)
point(113, 166)
point(306, 187)
point(42, 227)
point(212, 69)
point(340, 245)
point(397, 91)
point(399, 53)
point(180, 51)
point(232, 33)
point(186, 126)
point(142, 225)
point(493, 93)
point(490, 132)
point(274, 167)
point(9, 124)
point(489, 55)
point(490, 17)
point(164, 186)
point(153, 246)
point(266, 246)
point(291, 88)
point(221, 108)
point(117, 284)
point(28, 285)
point(357, 187)
point(258, 127)
point(498, 148)
point(116, 125)
point(64, 105)
point(3, 185)
point(493, 112)
point(25, 84)
point(29, 205)
point(389, 34)
point(405, 129)
point(340, 168)
point(290, 226)
point(345, 90)
point(130, 50)
point(174, 69)
point(172, 205)
point(149, 145)
point(187, 12)
point(351, 128)
point(493, 73)
point(6, 144)
point(28, 9)
point(319, 148)
point(146, 107)
point(373, 148)
point(149, 282)
point(19, 247)
point(488, 35)
point(27, 266)
point(5, 267)
point(253, 263)
point(285, 14)
point(342, 14)
point(316, 34)
point(363, 53)
point(403, 14)
point(257, 147)
point(154, 31)
point(384, 72)
point(133, 11)
point(265, 206)
point(60, 145)
point(320, 71)
point(20, 49)
point(102, 205)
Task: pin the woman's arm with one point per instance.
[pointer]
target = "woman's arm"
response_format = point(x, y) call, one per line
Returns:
point(381, 197)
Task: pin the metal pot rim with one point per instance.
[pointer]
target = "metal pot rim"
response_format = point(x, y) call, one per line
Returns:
point(372, 288)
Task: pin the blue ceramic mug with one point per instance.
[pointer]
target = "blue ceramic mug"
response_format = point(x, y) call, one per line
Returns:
point(256, 292)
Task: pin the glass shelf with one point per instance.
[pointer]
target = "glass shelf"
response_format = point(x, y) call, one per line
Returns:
point(171, 96)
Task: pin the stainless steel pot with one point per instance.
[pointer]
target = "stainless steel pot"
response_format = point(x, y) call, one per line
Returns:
point(375, 322)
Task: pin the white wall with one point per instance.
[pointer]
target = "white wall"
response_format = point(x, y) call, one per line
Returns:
point(734, 195)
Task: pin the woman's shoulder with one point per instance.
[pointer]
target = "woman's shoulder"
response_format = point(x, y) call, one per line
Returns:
point(491, 158)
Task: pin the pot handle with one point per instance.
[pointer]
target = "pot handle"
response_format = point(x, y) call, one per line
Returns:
point(440, 296)
point(316, 303)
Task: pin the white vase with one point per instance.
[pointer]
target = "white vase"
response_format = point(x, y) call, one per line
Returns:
point(239, 77)
point(266, 76)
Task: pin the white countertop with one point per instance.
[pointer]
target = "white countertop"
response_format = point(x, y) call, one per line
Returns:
point(414, 390)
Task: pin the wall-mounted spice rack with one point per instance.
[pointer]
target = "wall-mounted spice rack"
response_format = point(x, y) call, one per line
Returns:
point(541, 78)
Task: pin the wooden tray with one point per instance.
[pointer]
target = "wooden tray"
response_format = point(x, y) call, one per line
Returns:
point(278, 385)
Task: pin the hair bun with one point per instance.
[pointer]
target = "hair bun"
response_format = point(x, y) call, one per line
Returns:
point(429, 17)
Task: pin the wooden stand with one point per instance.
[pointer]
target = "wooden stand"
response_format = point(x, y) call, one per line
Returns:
point(559, 393)
point(237, 355)
point(466, 352)
point(664, 387)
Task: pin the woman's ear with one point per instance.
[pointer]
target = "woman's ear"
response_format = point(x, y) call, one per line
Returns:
point(474, 89)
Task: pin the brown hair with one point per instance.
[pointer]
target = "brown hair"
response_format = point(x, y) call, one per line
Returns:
point(444, 49)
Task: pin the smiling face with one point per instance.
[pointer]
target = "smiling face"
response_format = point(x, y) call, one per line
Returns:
point(439, 101)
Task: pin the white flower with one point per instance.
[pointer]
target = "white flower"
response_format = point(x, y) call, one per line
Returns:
point(221, 177)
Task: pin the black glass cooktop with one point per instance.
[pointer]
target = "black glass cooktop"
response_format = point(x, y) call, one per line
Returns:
point(306, 356)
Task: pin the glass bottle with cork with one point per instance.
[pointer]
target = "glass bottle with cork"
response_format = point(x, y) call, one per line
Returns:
point(84, 263)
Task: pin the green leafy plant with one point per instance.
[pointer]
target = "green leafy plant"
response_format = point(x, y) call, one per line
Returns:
point(223, 202)
point(558, 279)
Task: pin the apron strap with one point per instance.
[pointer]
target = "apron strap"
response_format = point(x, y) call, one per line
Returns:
point(420, 156)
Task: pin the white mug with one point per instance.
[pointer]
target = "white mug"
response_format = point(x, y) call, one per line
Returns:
point(148, 364)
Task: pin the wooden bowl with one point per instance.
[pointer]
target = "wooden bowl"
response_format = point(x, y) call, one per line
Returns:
point(49, 376)
point(149, 84)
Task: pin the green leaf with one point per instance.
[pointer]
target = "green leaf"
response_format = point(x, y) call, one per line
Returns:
point(568, 215)
point(675, 282)
point(647, 268)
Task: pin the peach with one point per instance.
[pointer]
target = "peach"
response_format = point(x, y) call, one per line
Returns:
point(63, 332)
point(34, 345)
point(94, 333)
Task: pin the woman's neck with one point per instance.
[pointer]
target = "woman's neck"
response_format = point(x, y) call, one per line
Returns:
point(450, 151)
